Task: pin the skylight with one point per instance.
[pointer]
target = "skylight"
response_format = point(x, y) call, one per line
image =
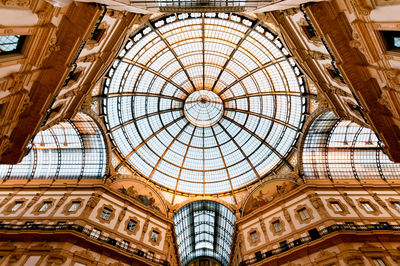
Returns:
point(204, 103)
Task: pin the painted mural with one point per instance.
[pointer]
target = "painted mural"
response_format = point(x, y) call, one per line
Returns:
point(266, 193)
point(140, 192)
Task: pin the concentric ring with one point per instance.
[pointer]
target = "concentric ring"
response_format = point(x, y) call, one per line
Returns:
point(243, 63)
point(203, 108)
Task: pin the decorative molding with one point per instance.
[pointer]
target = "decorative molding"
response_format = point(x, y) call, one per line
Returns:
point(314, 40)
point(349, 201)
point(390, 200)
point(297, 215)
point(155, 229)
point(33, 200)
point(100, 210)
point(129, 232)
point(344, 211)
point(16, 3)
point(379, 201)
point(317, 204)
point(7, 211)
point(91, 204)
point(90, 44)
point(39, 205)
point(249, 240)
point(286, 215)
point(376, 211)
point(66, 211)
point(272, 228)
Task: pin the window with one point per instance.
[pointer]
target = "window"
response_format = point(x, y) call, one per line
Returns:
point(367, 206)
point(11, 44)
point(154, 236)
point(61, 224)
point(131, 225)
point(254, 236)
point(97, 34)
point(303, 213)
point(309, 31)
point(150, 255)
point(392, 40)
point(277, 226)
point(336, 206)
point(95, 233)
point(105, 214)
point(124, 244)
point(396, 205)
point(16, 206)
point(45, 206)
point(378, 262)
point(28, 224)
point(333, 73)
point(74, 206)
point(350, 225)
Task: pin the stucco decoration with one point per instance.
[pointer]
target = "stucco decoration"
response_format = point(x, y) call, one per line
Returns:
point(141, 192)
point(266, 193)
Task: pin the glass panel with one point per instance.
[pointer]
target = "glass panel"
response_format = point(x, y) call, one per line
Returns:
point(11, 44)
point(204, 228)
point(72, 149)
point(336, 148)
point(193, 111)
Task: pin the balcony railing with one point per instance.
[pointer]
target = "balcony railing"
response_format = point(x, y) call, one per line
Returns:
point(89, 234)
point(326, 231)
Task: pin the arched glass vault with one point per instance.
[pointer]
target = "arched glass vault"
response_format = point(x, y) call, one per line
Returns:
point(204, 229)
point(204, 103)
point(335, 148)
point(71, 149)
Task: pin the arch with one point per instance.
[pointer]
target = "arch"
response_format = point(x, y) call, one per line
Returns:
point(204, 229)
point(74, 149)
point(266, 192)
point(335, 148)
point(140, 190)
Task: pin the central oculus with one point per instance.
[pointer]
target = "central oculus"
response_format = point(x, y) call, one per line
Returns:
point(203, 108)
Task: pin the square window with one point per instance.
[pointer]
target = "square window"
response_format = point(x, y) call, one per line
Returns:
point(61, 225)
point(28, 224)
point(391, 39)
point(150, 255)
point(303, 213)
point(16, 206)
point(367, 206)
point(74, 206)
point(154, 236)
point(45, 206)
point(336, 206)
point(11, 44)
point(254, 236)
point(131, 225)
point(396, 205)
point(124, 244)
point(95, 233)
point(379, 261)
point(105, 213)
point(277, 226)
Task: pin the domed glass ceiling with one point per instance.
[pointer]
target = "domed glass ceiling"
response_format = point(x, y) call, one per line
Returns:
point(204, 103)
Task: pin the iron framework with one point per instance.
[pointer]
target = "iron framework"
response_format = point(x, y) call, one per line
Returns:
point(74, 149)
point(335, 148)
point(204, 229)
point(263, 93)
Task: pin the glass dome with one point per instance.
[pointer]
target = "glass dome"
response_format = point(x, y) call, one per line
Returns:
point(204, 103)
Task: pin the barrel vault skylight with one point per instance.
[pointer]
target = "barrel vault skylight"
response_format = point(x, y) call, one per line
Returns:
point(204, 103)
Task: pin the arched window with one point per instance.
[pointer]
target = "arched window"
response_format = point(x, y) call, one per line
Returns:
point(71, 149)
point(339, 149)
point(204, 229)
